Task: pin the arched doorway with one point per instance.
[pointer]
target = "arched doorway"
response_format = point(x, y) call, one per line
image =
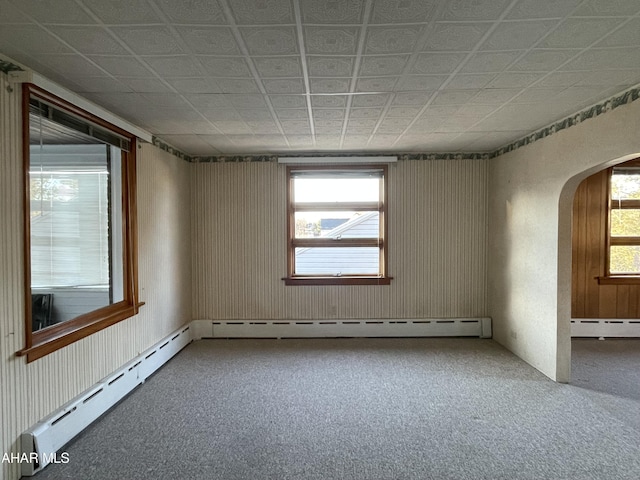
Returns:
point(565, 262)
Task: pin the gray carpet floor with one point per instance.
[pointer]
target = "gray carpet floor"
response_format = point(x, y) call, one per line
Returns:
point(370, 409)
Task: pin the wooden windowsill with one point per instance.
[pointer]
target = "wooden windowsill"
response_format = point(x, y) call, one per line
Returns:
point(619, 280)
point(60, 335)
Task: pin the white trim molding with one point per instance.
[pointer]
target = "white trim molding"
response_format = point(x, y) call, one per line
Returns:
point(332, 160)
point(25, 76)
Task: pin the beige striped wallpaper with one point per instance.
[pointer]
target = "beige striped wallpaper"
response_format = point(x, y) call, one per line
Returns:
point(437, 246)
point(29, 392)
point(212, 246)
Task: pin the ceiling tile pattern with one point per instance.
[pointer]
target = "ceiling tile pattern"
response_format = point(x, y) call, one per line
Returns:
point(331, 40)
point(208, 40)
point(232, 77)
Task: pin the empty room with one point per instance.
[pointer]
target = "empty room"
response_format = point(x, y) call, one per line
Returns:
point(320, 239)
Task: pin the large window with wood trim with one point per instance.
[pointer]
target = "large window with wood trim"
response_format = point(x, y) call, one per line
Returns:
point(337, 217)
point(623, 239)
point(80, 223)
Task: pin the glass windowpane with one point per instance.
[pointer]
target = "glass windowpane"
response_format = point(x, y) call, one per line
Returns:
point(336, 189)
point(335, 261)
point(343, 224)
point(625, 223)
point(625, 185)
point(625, 259)
point(76, 234)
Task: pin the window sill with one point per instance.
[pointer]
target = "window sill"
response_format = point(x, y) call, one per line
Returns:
point(60, 335)
point(619, 280)
point(312, 281)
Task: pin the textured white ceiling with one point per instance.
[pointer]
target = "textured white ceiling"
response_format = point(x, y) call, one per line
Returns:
point(217, 77)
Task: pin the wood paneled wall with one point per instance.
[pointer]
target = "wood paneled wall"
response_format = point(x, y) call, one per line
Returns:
point(588, 298)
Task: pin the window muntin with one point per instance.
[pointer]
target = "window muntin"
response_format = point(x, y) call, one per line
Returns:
point(337, 225)
point(80, 266)
point(623, 237)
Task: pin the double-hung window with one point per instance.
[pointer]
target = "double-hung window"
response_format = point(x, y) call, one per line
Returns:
point(623, 245)
point(337, 225)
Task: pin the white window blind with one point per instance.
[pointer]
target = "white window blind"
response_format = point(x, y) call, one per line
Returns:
point(69, 203)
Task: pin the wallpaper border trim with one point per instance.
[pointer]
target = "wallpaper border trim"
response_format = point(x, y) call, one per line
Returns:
point(605, 106)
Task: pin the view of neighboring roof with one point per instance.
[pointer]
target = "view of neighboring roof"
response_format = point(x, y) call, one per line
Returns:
point(331, 223)
point(346, 260)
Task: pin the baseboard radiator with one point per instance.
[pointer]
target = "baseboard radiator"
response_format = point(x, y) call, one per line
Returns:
point(444, 327)
point(41, 442)
point(601, 327)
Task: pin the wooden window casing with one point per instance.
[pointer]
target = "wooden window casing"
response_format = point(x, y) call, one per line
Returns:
point(613, 241)
point(42, 342)
point(380, 206)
